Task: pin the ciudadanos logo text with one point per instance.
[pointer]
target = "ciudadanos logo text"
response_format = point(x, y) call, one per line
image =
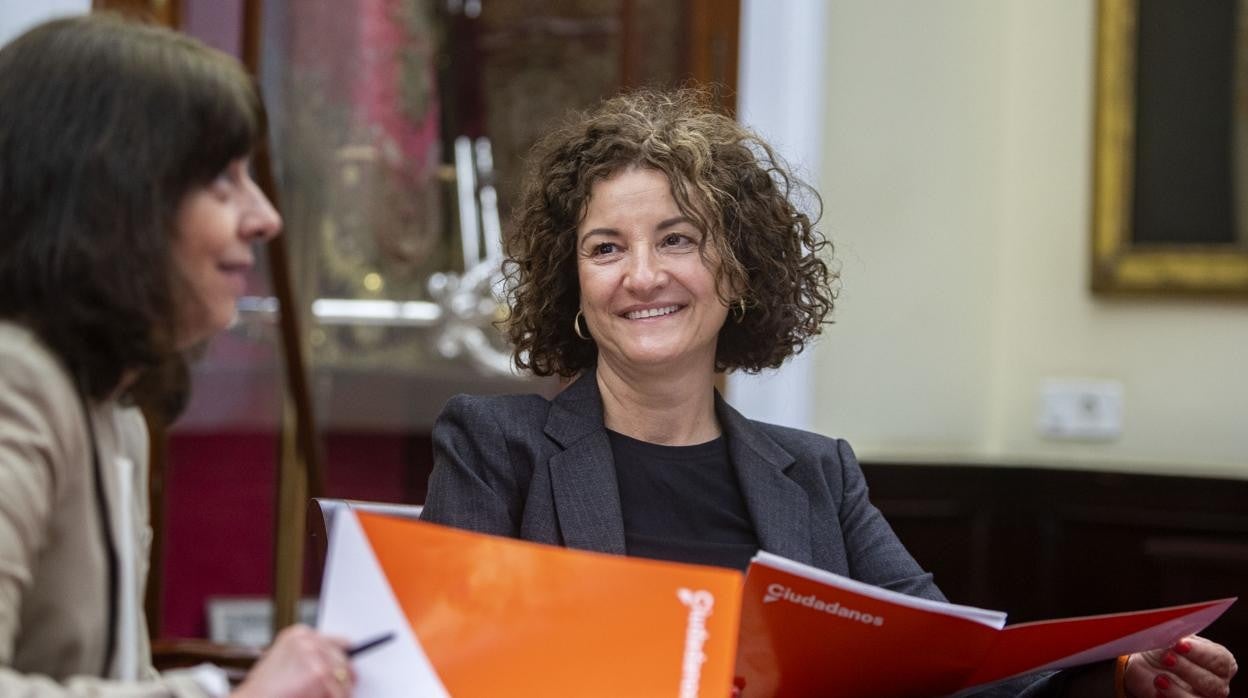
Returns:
point(779, 592)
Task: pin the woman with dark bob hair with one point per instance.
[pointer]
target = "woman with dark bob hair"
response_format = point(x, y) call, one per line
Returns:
point(657, 243)
point(127, 222)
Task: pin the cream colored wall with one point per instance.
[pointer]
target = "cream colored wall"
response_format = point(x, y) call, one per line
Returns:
point(16, 17)
point(956, 186)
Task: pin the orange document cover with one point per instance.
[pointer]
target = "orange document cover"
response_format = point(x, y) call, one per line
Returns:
point(807, 632)
point(478, 615)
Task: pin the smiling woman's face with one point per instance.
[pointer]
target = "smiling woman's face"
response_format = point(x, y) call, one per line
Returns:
point(648, 295)
point(216, 225)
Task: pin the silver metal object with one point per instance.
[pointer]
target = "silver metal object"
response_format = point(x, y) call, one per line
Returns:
point(464, 307)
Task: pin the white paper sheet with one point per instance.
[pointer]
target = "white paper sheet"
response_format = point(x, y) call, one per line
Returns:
point(358, 603)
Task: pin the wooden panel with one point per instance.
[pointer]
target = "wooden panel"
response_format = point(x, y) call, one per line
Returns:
point(166, 12)
point(953, 541)
point(1199, 567)
point(1041, 543)
point(715, 32)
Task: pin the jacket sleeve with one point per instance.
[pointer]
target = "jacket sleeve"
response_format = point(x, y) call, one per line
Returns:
point(171, 685)
point(472, 485)
point(29, 453)
point(32, 452)
point(875, 554)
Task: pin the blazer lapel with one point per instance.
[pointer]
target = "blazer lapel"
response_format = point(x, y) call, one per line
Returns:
point(586, 496)
point(778, 505)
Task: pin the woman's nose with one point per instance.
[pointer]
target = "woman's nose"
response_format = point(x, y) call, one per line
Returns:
point(261, 221)
point(645, 272)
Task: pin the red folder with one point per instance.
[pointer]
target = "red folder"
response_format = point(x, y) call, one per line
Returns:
point(805, 631)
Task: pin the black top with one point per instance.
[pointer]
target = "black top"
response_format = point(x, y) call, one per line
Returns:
point(682, 503)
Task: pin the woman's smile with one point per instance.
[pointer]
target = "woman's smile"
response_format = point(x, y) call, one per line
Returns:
point(648, 313)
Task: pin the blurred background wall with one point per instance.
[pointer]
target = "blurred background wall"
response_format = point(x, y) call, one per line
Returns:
point(957, 187)
point(953, 148)
point(16, 17)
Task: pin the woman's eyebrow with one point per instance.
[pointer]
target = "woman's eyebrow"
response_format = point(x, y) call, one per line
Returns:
point(603, 232)
point(673, 221)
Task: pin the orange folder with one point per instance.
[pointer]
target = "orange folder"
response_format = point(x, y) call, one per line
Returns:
point(501, 617)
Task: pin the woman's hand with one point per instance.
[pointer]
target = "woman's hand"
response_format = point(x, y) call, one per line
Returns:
point(1193, 667)
point(301, 663)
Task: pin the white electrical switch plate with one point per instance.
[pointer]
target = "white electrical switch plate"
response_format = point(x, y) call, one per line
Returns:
point(1081, 409)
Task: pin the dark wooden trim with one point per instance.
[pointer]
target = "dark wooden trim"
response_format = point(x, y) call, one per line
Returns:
point(715, 28)
point(1043, 543)
point(630, 45)
point(295, 363)
point(164, 12)
point(301, 472)
point(179, 654)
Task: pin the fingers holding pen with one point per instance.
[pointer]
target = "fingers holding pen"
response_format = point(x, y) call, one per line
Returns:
point(301, 663)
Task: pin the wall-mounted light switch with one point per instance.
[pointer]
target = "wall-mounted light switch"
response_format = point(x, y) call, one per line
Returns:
point(1080, 409)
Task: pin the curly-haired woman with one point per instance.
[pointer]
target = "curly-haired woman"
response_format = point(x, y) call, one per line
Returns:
point(127, 224)
point(658, 243)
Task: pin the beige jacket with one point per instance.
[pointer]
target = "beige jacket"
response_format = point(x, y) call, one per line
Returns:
point(53, 563)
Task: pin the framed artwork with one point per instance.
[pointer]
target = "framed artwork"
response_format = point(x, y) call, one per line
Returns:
point(1170, 197)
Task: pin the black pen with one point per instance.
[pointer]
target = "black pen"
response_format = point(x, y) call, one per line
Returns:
point(369, 644)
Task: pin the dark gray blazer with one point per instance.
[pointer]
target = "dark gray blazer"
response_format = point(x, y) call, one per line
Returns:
point(525, 467)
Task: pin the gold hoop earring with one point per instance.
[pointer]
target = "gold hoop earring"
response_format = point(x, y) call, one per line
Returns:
point(738, 313)
point(576, 326)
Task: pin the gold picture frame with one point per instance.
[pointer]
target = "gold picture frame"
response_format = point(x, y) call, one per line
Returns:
point(1121, 265)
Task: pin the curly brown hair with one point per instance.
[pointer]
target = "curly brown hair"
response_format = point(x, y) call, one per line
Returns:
point(724, 178)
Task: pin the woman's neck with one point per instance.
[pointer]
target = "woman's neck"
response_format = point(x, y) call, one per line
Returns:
point(659, 408)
